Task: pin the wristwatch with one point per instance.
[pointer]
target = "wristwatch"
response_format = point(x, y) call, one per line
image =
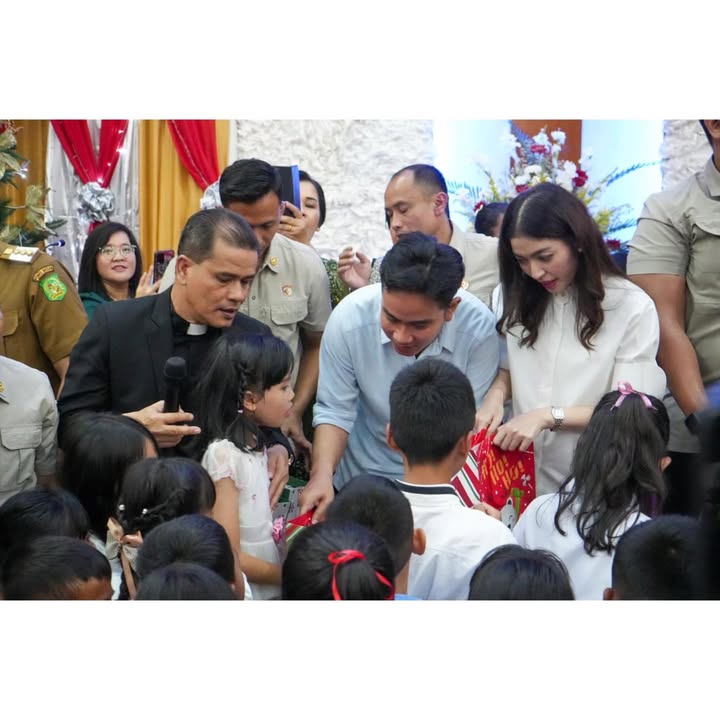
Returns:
point(558, 416)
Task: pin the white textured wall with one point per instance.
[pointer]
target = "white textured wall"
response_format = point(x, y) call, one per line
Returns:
point(685, 150)
point(352, 160)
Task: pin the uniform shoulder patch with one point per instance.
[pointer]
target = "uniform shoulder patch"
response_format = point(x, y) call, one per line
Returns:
point(53, 287)
point(42, 272)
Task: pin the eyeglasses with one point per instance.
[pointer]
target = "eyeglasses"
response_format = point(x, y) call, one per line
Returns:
point(109, 251)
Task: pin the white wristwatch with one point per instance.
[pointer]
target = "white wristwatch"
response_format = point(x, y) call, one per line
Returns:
point(558, 416)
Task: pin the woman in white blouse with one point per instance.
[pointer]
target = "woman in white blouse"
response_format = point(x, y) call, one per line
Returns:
point(573, 326)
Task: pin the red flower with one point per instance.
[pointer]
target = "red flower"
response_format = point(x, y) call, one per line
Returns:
point(613, 244)
point(478, 205)
point(580, 179)
point(538, 149)
point(522, 188)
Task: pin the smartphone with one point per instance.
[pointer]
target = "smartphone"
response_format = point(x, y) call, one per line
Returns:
point(290, 189)
point(161, 260)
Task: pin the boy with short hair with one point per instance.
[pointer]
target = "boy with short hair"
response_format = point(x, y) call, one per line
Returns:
point(55, 567)
point(432, 417)
point(379, 505)
point(657, 560)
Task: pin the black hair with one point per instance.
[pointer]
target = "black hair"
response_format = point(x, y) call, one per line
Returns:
point(321, 195)
point(247, 181)
point(184, 581)
point(616, 468)
point(196, 539)
point(548, 211)
point(487, 216)
point(51, 568)
point(88, 278)
point(657, 560)
point(432, 406)
point(307, 573)
point(512, 572)
point(97, 450)
point(159, 489)
point(427, 177)
point(251, 363)
point(379, 505)
point(418, 263)
point(707, 133)
point(206, 226)
point(41, 511)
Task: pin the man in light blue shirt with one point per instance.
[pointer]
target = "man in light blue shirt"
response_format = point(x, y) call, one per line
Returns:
point(418, 310)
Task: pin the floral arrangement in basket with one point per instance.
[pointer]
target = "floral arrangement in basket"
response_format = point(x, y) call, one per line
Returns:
point(535, 160)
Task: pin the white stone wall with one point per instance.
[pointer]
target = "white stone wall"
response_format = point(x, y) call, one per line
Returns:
point(685, 150)
point(352, 160)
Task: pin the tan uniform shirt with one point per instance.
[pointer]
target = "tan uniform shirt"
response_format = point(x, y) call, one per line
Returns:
point(44, 316)
point(480, 255)
point(28, 427)
point(678, 233)
point(290, 292)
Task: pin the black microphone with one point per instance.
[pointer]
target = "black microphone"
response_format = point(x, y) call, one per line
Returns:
point(175, 373)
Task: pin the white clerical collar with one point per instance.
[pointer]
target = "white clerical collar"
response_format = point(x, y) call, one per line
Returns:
point(196, 329)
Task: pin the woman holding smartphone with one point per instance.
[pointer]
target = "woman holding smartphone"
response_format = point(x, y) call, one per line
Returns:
point(111, 267)
point(573, 327)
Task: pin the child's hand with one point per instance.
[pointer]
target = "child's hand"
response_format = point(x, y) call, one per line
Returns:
point(278, 470)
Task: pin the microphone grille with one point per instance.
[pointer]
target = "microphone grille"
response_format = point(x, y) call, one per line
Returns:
point(175, 368)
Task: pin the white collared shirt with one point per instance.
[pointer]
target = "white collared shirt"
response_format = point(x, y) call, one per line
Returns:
point(457, 539)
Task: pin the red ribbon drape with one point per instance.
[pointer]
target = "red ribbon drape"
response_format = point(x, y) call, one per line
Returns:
point(74, 136)
point(196, 145)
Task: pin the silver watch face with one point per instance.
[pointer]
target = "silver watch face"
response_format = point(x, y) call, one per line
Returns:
point(558, 413)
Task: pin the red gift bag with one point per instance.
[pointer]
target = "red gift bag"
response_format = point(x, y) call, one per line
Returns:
point(504, 479)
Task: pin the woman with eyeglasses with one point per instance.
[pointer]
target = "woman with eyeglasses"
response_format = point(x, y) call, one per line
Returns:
point(111, 267)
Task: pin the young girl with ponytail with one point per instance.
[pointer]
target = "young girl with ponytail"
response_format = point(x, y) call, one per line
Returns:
point(616, 482)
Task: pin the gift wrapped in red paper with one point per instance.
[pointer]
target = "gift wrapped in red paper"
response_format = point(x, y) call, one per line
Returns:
point(295, 525)
point(504, 479)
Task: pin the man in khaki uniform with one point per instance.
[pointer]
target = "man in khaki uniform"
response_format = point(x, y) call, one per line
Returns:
point(44, 316)
point(28, 427)
point(416, 199)
point(675, 257)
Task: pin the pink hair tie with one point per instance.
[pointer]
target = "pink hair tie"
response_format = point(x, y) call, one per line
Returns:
point(625, 389)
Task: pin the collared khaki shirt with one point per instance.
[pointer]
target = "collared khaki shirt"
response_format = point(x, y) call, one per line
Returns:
point(480, 255)
point(28, 427)
point(290, 293)
point(44, 316)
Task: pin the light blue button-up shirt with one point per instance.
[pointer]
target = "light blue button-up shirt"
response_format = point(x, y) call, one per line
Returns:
point(358, 364)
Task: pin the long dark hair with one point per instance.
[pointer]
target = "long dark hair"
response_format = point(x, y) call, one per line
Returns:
point(255, 363)
point(547, 211)
point(88, 278)
point(616, 467)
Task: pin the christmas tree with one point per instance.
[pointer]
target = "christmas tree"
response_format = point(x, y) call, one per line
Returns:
point(13, 168)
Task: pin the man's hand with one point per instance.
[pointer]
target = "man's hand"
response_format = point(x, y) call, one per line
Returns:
point(294, 227)
point(164, 425)
point(145, 287)
point(354, 268)
point(520, 431)
point(317, 495)
point(278, 470)
point(293, 429)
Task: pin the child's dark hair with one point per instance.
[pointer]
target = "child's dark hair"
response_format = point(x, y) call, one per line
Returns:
point(338, 561)
point(616, 467)
point(233, 367)
point(159, 489)
point(432, 405)
point(657, 560)
point(419, 264)
point(548, 211)
point(51, 568)
point(379, 505)
point(184, 581)
point(487, 216)
point(38, 512)
point(193, 539)
point(512, 572)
